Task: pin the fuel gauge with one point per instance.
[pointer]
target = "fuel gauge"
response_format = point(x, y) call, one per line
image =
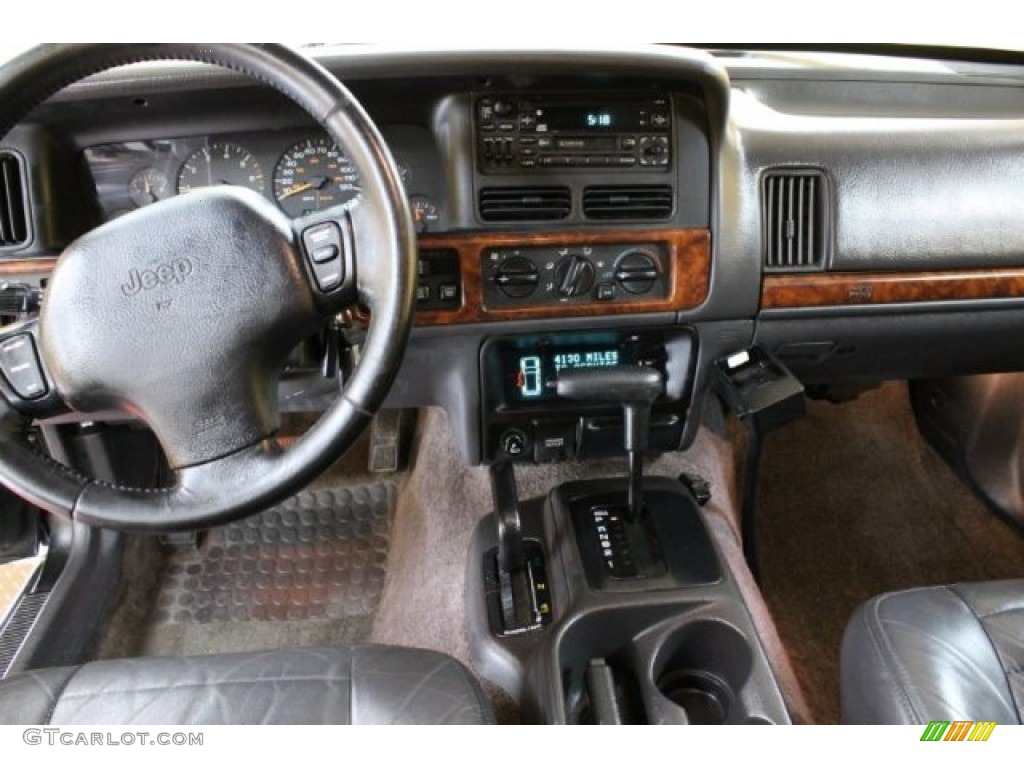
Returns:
point(424, 213)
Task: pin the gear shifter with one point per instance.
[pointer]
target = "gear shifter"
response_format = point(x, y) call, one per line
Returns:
point(635, 389)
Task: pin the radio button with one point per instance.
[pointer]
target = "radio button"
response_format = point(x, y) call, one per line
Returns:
point(571, 143)
point(502, 107)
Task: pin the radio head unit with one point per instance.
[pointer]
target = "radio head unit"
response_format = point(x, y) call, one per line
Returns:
point(522, 133)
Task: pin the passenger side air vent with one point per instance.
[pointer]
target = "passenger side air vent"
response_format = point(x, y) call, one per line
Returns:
point(628, 202)
point(13, 208)
point(794, 210)
point(525, 203)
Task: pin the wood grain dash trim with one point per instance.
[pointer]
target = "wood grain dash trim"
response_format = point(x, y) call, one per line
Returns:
point(689, 256)
point(26, 267)
point(854, 289)
point(689, 278)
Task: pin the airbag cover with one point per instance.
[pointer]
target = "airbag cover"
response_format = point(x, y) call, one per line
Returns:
point(181, 313)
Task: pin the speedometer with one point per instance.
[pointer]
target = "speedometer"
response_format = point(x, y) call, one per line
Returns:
point(313, 175)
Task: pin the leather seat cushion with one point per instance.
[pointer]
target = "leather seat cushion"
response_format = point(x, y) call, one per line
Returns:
point(937, 653)
point(359, 685)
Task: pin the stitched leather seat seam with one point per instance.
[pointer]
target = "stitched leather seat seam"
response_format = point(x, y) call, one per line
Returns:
point(890, 660)
point(61, 695)
point(211, 684)
point(995, 648)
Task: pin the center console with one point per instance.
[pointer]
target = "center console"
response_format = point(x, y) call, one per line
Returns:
point(607, 601)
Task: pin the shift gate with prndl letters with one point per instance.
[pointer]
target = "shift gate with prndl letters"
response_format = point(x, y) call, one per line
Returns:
point(522, 133)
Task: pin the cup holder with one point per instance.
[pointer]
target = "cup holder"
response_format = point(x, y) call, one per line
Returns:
point(701, 667)
point(706, 699)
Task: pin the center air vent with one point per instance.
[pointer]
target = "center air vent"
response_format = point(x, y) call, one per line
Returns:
point(628, 202)
point(13, 213)
point(795, 215)
point(525, 203)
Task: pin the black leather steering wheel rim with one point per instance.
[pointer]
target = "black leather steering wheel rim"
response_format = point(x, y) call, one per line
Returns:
point(247, 477)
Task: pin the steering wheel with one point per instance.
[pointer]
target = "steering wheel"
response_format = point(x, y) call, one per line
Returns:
point(184, 312)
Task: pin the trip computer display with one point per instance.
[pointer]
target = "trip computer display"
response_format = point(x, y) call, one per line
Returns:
point(537, 372)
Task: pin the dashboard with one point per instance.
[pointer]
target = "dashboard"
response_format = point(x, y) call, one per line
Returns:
point(857, 217)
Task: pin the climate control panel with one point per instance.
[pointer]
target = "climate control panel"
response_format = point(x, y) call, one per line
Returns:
point(545, 275)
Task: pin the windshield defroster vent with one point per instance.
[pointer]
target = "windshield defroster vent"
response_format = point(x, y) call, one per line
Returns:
point(628, 202)
point(525, 203)
point(794, 210)
point(13, 207)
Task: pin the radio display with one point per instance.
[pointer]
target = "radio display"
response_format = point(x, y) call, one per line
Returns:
point(591, 118)
point(537, 372)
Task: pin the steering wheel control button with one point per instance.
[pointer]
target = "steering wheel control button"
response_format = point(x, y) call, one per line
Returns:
point(323, 246)
point(324, 254)
point(20, 366)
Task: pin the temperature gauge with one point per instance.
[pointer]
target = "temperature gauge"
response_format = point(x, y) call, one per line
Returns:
point(424, 213)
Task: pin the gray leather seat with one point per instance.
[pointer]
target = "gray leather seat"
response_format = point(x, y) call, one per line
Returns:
point(361, 685)
point(937, 653)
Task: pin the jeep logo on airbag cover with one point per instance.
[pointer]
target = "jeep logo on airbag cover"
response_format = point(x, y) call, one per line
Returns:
point(173, 272)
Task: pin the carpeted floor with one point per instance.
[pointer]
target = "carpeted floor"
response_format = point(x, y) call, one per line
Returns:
point(241, 590)
point(13, 578)
point(854, 503)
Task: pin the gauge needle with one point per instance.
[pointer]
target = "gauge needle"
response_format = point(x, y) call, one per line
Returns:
point(317, 182)
point(298, 189)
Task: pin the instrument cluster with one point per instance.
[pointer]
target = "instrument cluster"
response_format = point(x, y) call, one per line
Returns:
point(302, 171)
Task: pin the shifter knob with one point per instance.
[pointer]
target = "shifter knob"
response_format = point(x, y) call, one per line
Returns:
point(635, 389)
point(632, 387)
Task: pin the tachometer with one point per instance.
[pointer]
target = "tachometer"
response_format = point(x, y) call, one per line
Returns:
point(220, 163)
point(312, 175)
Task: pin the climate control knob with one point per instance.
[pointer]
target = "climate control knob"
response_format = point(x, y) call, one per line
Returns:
point(636, 271)
point(516, 277)
point(574, 276)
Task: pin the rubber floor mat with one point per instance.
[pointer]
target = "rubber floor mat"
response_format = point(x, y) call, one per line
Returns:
point(307, 572)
